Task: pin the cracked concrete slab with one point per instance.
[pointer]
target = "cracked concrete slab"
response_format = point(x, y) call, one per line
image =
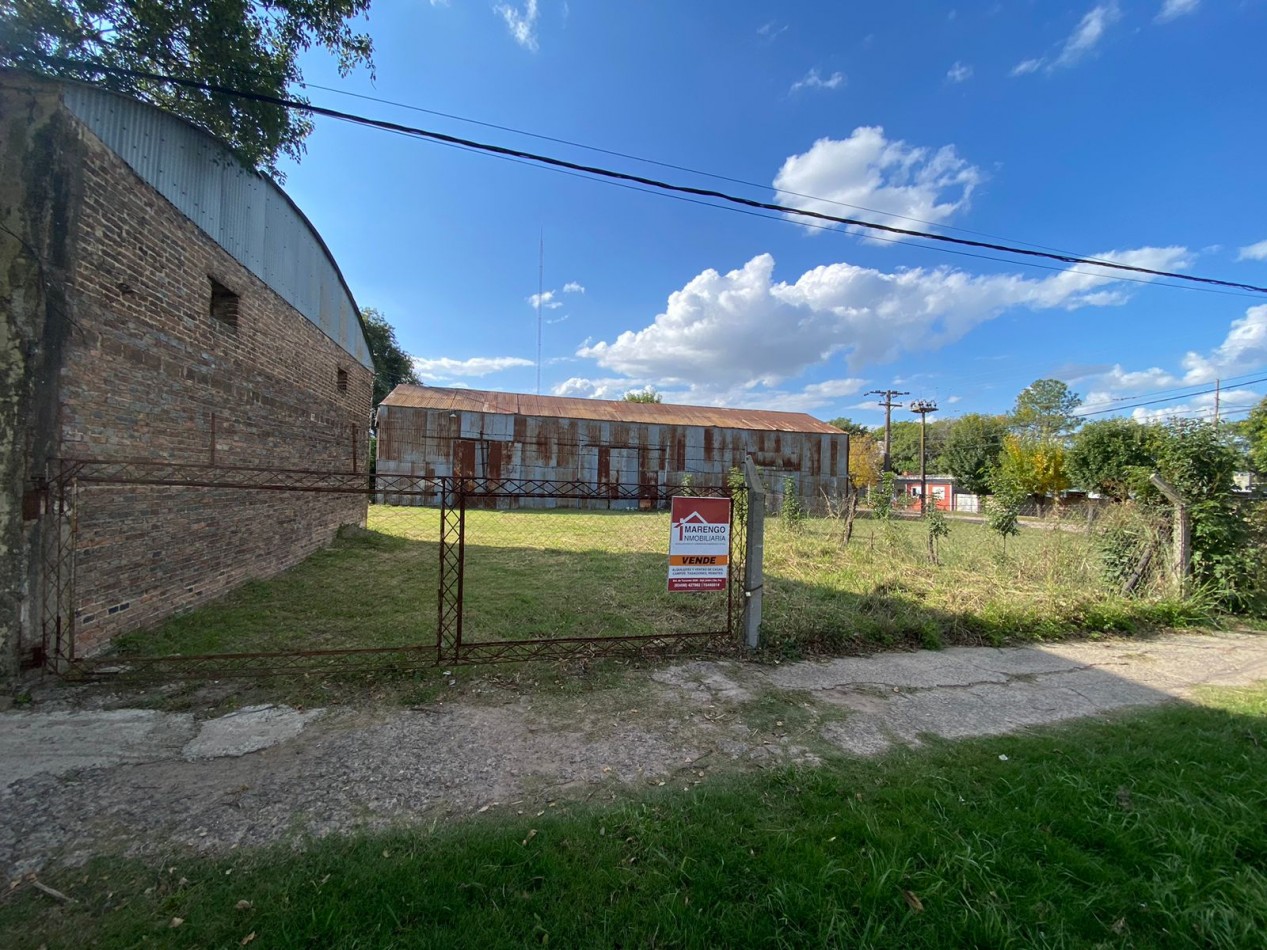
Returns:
point(966, 691)
point(247, 730)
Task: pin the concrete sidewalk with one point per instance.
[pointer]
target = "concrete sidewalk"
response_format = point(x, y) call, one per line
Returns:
point(78, 782)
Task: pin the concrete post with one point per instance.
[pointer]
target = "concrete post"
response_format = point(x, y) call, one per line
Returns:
point(1182, 562)
point(754, 579)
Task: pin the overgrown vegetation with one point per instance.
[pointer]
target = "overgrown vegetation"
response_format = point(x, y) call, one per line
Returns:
point(1149, 830)
point(577, 573)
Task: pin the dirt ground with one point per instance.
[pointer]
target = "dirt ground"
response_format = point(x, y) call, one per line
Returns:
point(82, 774)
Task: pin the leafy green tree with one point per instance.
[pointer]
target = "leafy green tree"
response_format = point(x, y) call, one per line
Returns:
point(1044, 410)
point(1255, 429)
point(1228, 549)
point(904, 451)
point(848, 425)
point(1110, 456)
point(392, 366)
point(251, 45)
point(1003, 511)
point(972, 450)
point(648, 395)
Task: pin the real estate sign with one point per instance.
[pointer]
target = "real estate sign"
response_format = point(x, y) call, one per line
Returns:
point(699, 544)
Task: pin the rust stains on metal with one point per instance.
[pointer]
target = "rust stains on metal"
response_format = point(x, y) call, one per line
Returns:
point(602, 410)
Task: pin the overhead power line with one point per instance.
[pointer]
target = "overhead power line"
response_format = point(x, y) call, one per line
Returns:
point(1153, 402)
point(613, 175)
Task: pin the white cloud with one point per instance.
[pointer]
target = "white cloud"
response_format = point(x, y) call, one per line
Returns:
point(572, 287)
point(813, 80)
point(1087, 35)
point(446, 368)
point(1173, 9)
point(868, 170)
point(1253, 252)
point(743, 330)
point(805, 399)
point(522, 25)
point(545, 300)
point(771, 31)
point(959, 72)
point(1243, 350)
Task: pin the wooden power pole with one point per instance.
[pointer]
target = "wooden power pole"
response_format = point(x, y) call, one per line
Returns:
point(888, 395)
point(923, 407)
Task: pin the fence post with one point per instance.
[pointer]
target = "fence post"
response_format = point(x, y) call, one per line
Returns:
point(753, 580)
point(1182, 564)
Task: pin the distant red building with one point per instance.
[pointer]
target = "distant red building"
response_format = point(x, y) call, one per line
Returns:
point(941, 490)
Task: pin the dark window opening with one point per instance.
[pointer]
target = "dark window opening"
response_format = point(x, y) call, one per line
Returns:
point(224, 304)
point(343, 380)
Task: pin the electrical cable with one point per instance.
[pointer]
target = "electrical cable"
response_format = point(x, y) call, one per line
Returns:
point(600, 172)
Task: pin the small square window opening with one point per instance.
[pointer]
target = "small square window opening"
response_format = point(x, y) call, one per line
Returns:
point(224, 304)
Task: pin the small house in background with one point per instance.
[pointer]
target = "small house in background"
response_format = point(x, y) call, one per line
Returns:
point(435, 432)
point(941, 490)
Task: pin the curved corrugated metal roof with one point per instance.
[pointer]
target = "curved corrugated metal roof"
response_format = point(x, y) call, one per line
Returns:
point(246, 213)
point(605, 410)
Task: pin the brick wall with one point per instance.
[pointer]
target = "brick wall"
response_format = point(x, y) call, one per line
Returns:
point(150, 373)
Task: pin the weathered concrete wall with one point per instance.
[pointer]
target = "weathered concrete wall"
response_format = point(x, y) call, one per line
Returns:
point(149, 372)
point(40, 190)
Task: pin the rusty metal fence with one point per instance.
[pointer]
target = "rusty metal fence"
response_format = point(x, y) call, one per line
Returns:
point(147, 570)
point(539, 569)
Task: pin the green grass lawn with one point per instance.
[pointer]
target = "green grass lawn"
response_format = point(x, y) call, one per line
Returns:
point(576, 573)
point(1147, 830)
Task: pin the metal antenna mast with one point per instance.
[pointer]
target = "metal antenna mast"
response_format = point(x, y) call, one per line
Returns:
point(541, 283)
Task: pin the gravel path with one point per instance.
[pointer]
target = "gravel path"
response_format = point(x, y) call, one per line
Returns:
point(77, 782)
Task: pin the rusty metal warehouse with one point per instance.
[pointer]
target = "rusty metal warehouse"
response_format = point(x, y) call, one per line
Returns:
point(429, 431)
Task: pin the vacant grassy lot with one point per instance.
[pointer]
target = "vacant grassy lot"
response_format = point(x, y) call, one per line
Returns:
point(569, 573)
point(1150, 830)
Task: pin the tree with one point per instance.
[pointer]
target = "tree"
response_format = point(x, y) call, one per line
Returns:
point(1044, 410)
point(250, 45)
point(1032, 467)
point(848, 425)
point(904, 449)
point(865, 457)
point(1109, 456)
point(1255, 430)
point(972, 450)
point(392, 366)
point(648, 395)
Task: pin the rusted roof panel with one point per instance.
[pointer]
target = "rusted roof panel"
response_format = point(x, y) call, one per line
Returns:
point(605, 410)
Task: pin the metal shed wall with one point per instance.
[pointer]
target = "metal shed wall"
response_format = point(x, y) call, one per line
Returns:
point(438, 442)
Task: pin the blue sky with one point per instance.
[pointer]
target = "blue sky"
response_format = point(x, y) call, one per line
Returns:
point(1132, 128)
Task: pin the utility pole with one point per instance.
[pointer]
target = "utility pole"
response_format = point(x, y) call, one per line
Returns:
point(923, 407)
point(888, 395)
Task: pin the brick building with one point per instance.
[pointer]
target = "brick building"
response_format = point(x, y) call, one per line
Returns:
point(162, 303)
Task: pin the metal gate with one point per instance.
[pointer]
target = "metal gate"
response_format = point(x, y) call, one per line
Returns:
point(587, 561)
point(523, 569)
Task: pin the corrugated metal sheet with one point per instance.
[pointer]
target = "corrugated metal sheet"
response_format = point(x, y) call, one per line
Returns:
point(603, 410)
point(242, 211)
point(454, 439)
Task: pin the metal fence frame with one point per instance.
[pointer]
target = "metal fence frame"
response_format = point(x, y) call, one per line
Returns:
point(450, 647)
point(454, 495)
